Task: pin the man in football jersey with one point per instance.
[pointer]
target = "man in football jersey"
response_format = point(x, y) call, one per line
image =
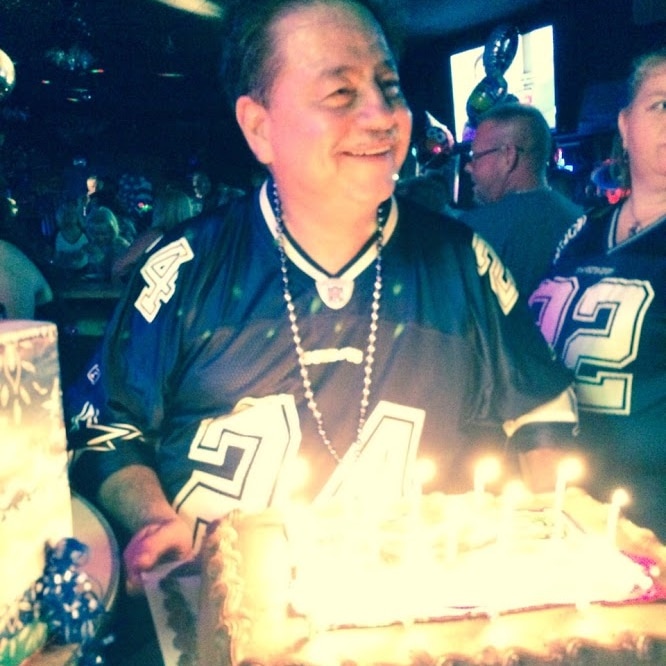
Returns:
point(518, 213)
point(316, 319)
point(604, 312)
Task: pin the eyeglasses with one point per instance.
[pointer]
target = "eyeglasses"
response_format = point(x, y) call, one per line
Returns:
point(475, 156)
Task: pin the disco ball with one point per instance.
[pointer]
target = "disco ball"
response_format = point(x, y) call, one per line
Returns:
point(7, 75)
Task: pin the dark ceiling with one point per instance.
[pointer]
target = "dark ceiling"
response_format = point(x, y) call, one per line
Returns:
point(448, 17)
point(138, 43)
point(130, 46)
point(145, 71)
point(139, 71)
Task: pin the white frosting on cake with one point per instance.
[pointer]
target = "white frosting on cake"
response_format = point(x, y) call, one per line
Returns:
point(447, 562)
point(314, 586)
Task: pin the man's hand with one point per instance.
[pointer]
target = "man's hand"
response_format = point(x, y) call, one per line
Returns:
point(134, 497)
point(154, 544)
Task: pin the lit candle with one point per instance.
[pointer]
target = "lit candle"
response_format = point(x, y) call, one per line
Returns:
point(452, 538)
point(568, 470)
point(619, 499)
point(425, 472)
point(487, 470)
point(514, 491)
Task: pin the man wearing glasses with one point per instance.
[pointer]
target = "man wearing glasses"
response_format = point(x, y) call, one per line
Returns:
point(516, 210)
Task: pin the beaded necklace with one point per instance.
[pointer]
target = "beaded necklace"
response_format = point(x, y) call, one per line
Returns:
point(296, 335)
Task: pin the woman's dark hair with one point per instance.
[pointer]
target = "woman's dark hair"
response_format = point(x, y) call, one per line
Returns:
point(171, 207)
point(643, 67)
point(248, 63)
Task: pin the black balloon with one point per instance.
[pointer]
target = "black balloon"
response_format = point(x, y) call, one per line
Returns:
point(488, 92)
point(500, 49)
point(7, 75)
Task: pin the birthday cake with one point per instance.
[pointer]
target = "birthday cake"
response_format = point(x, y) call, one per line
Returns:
point(35, 501)
point(443, 580)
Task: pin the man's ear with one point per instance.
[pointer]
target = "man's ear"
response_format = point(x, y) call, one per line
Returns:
point(511, 156)
point(252, 117)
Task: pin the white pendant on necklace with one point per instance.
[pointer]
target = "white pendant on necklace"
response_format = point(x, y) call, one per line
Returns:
point(335, 292)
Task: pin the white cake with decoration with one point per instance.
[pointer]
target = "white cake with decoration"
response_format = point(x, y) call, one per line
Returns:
point(468, 579)
point(35, 501)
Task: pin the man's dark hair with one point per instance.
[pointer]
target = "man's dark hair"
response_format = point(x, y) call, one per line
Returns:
point(248, 63)
point(530, 128)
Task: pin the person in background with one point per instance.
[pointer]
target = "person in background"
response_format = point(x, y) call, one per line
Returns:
point(517, 212)
point(431, 189)
point(12, 228)
point(225, 193)
point(317, 317)
point(561, 179)
point(170, 207)
point(24, 291)
point(603, 310)
point(133, 204)
point(91, 199)
point(71, 243)
point(105, 244)
point(203, 196)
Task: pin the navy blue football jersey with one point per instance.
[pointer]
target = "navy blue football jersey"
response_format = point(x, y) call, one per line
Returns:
point(202, 378)
point(604, 312)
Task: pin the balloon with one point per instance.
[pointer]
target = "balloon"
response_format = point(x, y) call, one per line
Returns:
point(436, 146)
point(488, 92)
point(500, 49)
point(7, 75)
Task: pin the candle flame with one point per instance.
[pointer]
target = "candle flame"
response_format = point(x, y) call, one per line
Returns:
point(487, 469)
point(570, 469)
point(425, 470)
point(620, 497)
